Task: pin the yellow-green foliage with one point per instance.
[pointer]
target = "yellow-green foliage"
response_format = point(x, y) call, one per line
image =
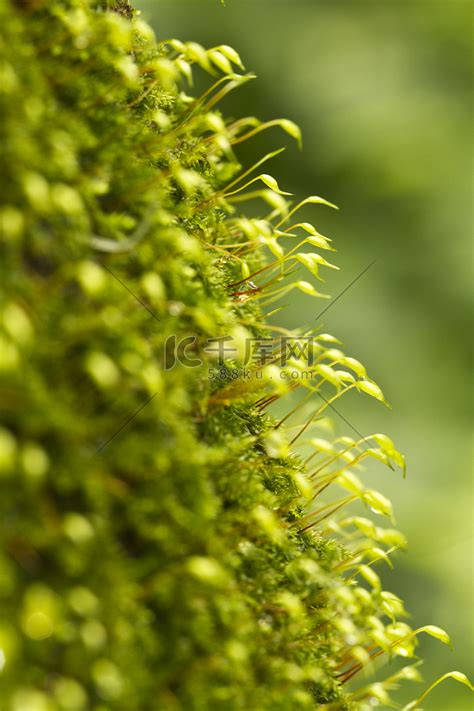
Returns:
point(164, 543)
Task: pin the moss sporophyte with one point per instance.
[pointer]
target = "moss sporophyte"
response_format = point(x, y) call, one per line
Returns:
point(172, 536)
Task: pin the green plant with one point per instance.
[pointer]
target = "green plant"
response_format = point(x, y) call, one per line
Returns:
point(166, 543)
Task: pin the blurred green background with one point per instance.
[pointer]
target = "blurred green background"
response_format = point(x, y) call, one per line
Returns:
point(382, 90)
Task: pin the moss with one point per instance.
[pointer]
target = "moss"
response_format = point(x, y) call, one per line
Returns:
point(162, 546)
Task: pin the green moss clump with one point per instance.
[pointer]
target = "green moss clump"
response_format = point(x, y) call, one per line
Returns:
point(162, 545)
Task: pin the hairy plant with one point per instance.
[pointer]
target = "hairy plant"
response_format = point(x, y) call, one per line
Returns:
point(167, 543)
